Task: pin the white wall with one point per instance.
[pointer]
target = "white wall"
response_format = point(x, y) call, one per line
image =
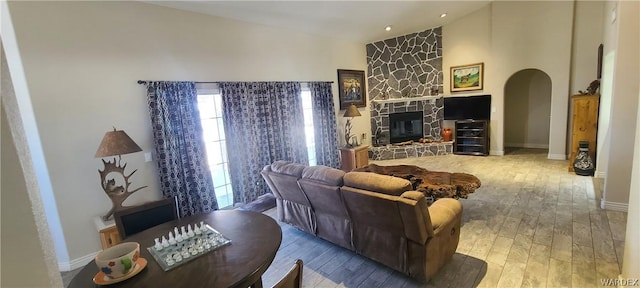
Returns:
point(22, 253)
point(527, 109)
point(631, 261)
point(533, 35)
point(459, 47)
point(82, 60)
point(28, 258)
point(610, 44)
point(587, 36)
point(509, 37)
point(624, 106)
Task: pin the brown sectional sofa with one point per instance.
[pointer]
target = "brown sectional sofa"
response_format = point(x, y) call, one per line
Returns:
point(377, 216)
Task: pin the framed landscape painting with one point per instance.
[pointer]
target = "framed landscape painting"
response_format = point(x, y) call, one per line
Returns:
point(467, 77)
point(351, 88)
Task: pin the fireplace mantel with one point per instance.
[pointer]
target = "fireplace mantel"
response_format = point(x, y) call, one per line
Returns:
point(406, 99)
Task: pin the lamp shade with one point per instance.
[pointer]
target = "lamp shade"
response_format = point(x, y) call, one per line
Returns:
point(116, 142)
point(352, 111)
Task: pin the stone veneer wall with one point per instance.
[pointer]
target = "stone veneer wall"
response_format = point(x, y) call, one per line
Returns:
point(414, 150)
point(432, 116)
point(405, 67)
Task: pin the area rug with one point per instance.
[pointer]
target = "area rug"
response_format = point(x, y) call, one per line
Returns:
point(263, 203)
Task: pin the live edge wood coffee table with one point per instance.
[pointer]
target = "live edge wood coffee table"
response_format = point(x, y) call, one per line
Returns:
point(255, 240)
point(433, 184)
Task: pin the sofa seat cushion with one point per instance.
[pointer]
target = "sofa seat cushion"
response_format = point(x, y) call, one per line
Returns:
point(376, 182)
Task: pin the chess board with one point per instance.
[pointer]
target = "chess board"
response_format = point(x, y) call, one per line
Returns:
point(188, 249)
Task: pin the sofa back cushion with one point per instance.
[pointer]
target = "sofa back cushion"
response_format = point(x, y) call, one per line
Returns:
point(378, 183)
point(287, 168)
point(321, 185)
point(378, 230)
point(282, 177)
point(323, 174)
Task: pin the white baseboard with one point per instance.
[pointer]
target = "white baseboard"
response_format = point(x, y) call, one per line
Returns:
point(496, 152)
point(614, 206)
point(527, 145)
point(600, 174)
point(557, 156)
point(77, 263)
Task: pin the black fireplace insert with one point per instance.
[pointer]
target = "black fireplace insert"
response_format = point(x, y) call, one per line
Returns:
point(405, 126)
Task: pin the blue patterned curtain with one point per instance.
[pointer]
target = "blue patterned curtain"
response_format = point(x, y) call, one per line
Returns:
point(180, 149)
point(324, 124)
point(263, 123)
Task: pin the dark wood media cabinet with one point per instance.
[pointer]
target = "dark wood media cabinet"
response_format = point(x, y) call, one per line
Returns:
point(471, 137)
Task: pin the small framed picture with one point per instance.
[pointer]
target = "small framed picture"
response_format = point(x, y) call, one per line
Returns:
point(352, 88)
point(467, 77)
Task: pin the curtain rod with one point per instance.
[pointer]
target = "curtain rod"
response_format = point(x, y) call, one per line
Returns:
point(145, 82)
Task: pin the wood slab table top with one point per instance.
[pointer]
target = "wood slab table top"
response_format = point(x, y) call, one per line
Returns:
point(255, 240)
point(433, 184)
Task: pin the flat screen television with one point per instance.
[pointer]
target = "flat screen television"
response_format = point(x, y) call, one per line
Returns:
point(467, 107)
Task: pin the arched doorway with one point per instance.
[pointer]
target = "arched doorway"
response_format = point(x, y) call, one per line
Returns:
point(527, 112)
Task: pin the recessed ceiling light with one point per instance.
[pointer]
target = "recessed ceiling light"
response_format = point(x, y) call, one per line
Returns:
point(388, 28)
point(443, 15)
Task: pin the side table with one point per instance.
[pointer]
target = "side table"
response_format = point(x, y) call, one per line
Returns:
point(109, 235)
point(352, 158)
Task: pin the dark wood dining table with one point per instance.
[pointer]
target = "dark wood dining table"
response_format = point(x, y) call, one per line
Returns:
point(255, 240)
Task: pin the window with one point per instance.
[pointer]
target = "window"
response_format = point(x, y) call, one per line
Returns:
point(307, 110)
point(210, 106)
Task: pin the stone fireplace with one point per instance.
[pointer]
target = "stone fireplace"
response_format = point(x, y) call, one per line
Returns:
point(404, 76)
point(431, 110)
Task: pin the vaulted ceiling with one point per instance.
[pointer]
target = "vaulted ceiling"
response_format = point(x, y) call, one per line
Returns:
point(359, 21)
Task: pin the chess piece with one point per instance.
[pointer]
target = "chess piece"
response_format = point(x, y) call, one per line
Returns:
point(172, 240)
point(184, 233)
point(178, 235)
point(177, 257)
point(197, 230)
point(169, 260)
point(164, 242)
point(158, 246)
point(190, 231)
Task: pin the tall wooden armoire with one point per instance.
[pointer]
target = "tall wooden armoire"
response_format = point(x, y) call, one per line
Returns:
point(585, 124)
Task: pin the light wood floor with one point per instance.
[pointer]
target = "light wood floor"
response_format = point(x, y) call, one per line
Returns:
point(531, 224)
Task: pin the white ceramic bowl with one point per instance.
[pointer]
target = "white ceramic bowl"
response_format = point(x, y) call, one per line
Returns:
point(119, 260)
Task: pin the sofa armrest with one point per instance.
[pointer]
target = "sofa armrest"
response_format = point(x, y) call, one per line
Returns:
point(415, 216)
point(443, 212)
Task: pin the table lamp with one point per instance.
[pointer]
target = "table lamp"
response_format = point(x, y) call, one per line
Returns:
point(352, 111)
point(116, 143)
